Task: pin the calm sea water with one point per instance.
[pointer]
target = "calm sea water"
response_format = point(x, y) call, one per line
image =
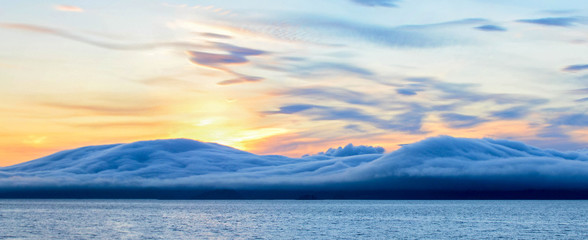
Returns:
point(262, 219)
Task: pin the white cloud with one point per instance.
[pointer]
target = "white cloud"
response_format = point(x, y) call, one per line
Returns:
point(441, 163)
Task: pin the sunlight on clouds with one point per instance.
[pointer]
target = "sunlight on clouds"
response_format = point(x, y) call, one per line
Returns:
point(205, 122)
point(241, 138)
point(34, 140)
point(68, 8)
point(234, 136)
point(580, 135)
point(221, 121)
point(285, 78)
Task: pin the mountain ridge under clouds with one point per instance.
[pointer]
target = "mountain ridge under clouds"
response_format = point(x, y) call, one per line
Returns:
point(441, 165)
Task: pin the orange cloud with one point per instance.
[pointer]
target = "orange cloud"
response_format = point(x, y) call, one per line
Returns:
point(68, 8)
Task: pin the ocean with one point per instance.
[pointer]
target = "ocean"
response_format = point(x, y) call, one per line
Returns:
point(293, 219)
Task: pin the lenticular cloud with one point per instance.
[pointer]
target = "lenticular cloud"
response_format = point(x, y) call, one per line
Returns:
point(441, 163)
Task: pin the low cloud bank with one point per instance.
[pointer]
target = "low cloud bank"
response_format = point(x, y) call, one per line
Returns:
point(350, 150)
point(439, 164)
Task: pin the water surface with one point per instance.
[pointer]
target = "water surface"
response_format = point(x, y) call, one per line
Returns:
point(291, 219)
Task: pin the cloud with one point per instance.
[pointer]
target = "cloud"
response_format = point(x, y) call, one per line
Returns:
point(235, 55)
point(315, 70)
point(553, 131)
point(512, 113)
point(240, 51)
point(333, 93)
point(350, 150)
point(289, 109)
point(338, 32)
point(312, 68)
point(107, 109)
point(409, 121)
point(577, 120)
point(215, 35)
point(435, 164)
point(406, 91)
point(355, 127)
point(560, 11)
point(454, 23)
point(575, 68)
point(95, 42)
point(402, 115)
point(68, 8)
point(580, 91)
point(450, 91)
point(480, 164)
point(244, 79)
point(466, 94)
point(216, 60)
point(376, 3)
point(456, 120)
point(123, 124)
point(169, 82)
point(353, 114)
point(491, 28)
point(553, 21)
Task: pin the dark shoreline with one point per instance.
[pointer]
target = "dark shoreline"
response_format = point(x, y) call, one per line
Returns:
point(188, 194)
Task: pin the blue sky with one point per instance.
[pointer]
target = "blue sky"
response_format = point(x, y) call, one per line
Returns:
point(290, 77)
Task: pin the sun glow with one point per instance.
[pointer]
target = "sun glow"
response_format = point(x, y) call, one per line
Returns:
point(228, 135)
point(287, 79)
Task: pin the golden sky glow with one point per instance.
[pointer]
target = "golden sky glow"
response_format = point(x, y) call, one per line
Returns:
point(286, 78)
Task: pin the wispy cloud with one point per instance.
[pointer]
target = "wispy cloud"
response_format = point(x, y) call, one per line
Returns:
point(491, 28)
point(554, 21)
point(215, 35)
point(311, 68)
point(512, 113)
point(337, 32)
point(407, 114)
point(169, 82)
point(575, 68)
point(455, 120)
point(446, 24)
point(560, 11)
point(580, 91)
point(576, 119)
point(234, 55)
point(216, 60)
point(294, 108)
point(410, 121)
point(467, 93)
point(244, 79)
point(95, 42)
point(333, 93)
point(106, 109)
point(407, 91)
point(122, 124)
point(68, 8)
point(377, 3)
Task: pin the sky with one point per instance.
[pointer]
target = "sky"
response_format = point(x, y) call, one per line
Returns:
point(290, 77)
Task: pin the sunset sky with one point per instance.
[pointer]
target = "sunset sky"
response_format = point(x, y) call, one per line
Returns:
point(290, 77)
